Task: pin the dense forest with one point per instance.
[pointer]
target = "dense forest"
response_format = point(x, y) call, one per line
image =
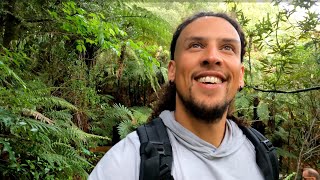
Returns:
point(77, 76)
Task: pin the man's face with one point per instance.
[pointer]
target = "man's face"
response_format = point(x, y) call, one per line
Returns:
point(207, 69)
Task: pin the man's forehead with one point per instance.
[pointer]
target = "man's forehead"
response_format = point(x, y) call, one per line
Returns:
point(209, 26)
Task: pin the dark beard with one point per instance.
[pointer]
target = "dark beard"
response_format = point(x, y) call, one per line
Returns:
point(202, 112)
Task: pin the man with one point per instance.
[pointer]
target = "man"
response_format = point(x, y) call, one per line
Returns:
point(310, 174)
point(205, 74)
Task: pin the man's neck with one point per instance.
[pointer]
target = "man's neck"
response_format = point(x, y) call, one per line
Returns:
point(212, 133)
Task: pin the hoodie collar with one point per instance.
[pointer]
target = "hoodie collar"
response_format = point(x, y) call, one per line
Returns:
point(232, 141)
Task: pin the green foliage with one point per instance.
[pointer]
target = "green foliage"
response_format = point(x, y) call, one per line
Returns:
point(129, 119)
point(7, 76)
point(283, 56)
point(284, 153)
point(290, 176)
point(38, 150)
point(44, 145)
point(263, 111)
point(139, 117)
point(72, 71)
point(91, 28)
point(38, 139)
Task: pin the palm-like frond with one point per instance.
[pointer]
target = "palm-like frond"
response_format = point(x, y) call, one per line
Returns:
point(139, 116)
point(122, 112)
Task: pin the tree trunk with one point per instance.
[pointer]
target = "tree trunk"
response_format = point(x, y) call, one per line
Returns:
point(272, 117)
point(257, 124)
point(11, 23)
point(119, 73)
point(2, 23)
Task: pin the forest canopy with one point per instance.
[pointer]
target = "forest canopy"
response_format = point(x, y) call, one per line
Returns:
point(77, 76)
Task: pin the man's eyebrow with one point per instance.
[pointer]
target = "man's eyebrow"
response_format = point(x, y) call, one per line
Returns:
point(199, 38)
point(230, 40)
point(194, 38)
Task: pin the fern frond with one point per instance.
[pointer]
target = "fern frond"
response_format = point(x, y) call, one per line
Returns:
point(124, 128)
point(122, 112)
point(36, 115)
point(71, 157)
point(56, 101)
point(41, 126)
point(63, 115)
point(66, 156)
point(11, 73)
point(140, 116)
point(78, 133)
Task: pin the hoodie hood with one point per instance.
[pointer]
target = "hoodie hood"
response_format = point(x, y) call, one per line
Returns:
point(232, 141)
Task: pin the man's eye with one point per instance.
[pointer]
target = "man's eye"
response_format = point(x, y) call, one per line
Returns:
point(195, 45)
point(228, 48)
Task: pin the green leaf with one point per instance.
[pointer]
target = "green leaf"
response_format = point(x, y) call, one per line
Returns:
point(90, 41)
point(263, 111)
point(7, 148)
point(290, 176)
point(86, 151)
point(112, 32)
point(79, 48)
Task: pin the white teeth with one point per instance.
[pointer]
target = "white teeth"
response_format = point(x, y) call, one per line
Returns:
point(210, 79)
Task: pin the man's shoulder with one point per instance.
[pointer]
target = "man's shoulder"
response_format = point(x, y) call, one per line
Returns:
point(129, 145)
point(123, 160)
point(131, 141)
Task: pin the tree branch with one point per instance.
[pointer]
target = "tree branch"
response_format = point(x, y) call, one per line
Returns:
point(37, 20)
point(21, 19)
point(285, 92)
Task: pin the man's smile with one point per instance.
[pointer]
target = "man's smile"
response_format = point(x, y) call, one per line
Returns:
point(210, 80)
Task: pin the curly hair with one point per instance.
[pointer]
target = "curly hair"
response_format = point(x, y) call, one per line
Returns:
point(189, 20)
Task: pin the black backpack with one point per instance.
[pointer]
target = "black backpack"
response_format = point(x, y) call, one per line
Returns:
point(156, 152)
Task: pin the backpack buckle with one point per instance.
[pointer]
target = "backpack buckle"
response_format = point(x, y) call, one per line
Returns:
point(268, 145)
point(159, 147)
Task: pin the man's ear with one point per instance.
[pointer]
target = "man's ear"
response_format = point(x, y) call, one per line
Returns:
point(172, 70)
point(241, 77)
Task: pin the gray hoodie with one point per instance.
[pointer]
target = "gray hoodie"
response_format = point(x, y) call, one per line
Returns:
point(193, 158)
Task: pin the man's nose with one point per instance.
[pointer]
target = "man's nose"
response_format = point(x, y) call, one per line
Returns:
point(212, 56)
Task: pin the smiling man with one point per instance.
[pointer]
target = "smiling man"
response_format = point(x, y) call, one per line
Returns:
point(205, 73)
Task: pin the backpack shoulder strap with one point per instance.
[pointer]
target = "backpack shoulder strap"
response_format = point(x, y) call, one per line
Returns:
point(155, 151)
point(266, 156)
